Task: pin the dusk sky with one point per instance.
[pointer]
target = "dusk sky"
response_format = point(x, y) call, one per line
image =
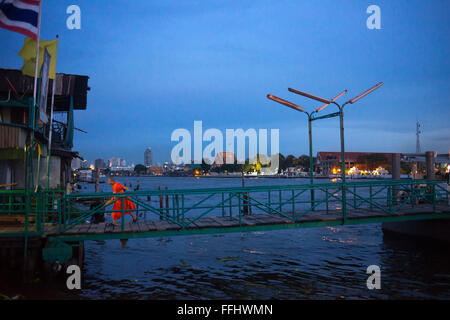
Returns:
point(156, 66)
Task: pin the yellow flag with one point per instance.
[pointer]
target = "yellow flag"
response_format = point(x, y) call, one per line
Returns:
point(28, 53)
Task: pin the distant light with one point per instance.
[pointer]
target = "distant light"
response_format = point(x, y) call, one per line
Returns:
point(309, 95)
point(286, 103)
point(365, 93)
point(334, 99)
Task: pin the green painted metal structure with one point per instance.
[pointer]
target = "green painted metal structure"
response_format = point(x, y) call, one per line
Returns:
point(186, 206)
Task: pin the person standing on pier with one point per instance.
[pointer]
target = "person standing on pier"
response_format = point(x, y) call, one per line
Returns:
point(117, 208)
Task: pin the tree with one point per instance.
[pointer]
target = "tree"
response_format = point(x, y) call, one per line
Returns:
point(405, 168)
point(291, 161)
point(140, 168)
point(206, 166)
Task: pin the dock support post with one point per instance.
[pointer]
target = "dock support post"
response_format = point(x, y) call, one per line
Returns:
point(161, 203)
point(167, 205)
point(429, 162)
point(124, 242)
point(395, 175)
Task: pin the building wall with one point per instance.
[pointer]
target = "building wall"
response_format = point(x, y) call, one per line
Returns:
point(99, 163)
point(12, 171)
point(148, 161)
point(11, 137)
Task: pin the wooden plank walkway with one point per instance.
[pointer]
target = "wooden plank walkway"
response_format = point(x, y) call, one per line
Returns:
point(256, 219)
point(219, 222)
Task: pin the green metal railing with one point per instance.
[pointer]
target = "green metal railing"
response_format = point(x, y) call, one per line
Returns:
point(33, 209)
point(186, 206)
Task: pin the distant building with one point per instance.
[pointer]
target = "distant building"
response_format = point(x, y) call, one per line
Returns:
point(156, 171)
point(224, 158)
point(123, 162)
point(114, 162)
point(99, 164)
point(329, 160)
point(148, 157)
point(84, 164)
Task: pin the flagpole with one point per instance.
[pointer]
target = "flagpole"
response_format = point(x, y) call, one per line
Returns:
point(33, 124)
point(37, 54)
point(49, 147)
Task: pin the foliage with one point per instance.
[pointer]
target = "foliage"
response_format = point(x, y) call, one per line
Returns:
point(140, 168)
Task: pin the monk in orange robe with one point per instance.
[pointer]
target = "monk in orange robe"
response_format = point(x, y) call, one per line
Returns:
point(117, 208)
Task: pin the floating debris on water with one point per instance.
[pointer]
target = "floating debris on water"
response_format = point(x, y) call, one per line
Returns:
point(184, 264)
point(227, 259)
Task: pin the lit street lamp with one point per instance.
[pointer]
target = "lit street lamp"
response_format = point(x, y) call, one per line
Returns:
point(310, 119)
point(341, 118)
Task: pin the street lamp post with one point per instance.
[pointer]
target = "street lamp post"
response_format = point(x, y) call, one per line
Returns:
point(310, 120)
point(301, 109)
point(341, 123)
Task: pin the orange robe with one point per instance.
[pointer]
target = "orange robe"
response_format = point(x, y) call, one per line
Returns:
point(128, 204)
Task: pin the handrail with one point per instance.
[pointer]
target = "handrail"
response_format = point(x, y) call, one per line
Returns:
point(189, 205)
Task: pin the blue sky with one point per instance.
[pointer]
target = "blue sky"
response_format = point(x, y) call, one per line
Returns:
point(156, 66)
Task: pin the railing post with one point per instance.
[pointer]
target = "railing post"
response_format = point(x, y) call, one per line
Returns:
point(293, 203)
point(370, 197)
point(240, 213)
point(167, 204)
point(280, 205)
point(223, 204)
point(60, 213)
point(123, 213)
point(231, 206)
point(270, 203)
point(433, 194)
point(161, 204)
point(37, 216)
point(389, 198)
point(344, 202)
point(178, 206)
point(182, 207)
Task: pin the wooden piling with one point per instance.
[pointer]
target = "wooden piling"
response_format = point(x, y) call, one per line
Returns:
point(167, 204)
point(161, 203)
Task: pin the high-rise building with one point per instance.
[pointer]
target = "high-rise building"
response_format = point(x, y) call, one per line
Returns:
point(99, 163)
point(114, 162)
point(148, 157)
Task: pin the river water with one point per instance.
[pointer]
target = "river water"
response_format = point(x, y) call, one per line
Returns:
point(315, 263)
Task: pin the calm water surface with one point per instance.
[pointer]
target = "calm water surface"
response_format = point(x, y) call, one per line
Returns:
point(316, 263)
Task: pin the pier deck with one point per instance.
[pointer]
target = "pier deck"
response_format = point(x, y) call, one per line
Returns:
point(257, 221)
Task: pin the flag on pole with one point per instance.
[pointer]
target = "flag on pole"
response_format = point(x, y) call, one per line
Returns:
point(28, 53)
point(20, 16)
point(44, 88)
